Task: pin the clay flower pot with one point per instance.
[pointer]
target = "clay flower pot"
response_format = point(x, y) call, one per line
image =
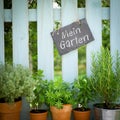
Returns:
point(81, 115)
point(10, 111)
point(38, 115)
point(61, 114)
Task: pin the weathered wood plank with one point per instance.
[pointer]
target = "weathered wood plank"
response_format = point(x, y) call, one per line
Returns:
point(70, 60)
point(93, 15)
point(2, 57)
point(45, 42)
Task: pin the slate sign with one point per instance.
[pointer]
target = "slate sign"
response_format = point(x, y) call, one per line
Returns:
point(72, 36)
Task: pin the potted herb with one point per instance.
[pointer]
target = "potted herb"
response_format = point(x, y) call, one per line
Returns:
point(37, 112)
point(15, 81)
point(82, 94)
point(60, 99)
point(105, 83)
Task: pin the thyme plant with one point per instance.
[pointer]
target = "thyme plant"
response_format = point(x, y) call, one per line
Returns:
point(15, 82)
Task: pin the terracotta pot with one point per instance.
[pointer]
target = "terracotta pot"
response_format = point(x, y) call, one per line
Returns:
point(38, 115)
point(81, 115)
point(10, 111)
point(61, 114)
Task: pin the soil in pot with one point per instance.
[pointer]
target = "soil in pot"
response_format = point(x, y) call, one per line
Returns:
point(38, 114)
point(81, 115)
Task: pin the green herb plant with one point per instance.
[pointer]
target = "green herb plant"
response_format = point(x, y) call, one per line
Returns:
point(39, 91)
point(105, 77)
point(58, 93)
point(16, 81)
point(82, 92)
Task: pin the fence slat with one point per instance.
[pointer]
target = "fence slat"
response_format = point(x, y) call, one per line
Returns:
point(70, 60)
point(20, 32)
point(115, 26)
point(20, 41)
point(45, 42)
point(93, 15)
point(1, 32)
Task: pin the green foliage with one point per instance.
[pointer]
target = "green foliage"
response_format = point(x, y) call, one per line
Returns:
point(57, 57)
point(32, 4)
point(39, 90)
point(57, 60)
point(58, 2)
point(57, 25)
point(82, 92)
point(82, 60)
point(58, 93)
point(105, 77)
point(106, 3)
point(15, 81)
point(81, 3)
point(33, 45)
point(106, 33)
point(8, 42)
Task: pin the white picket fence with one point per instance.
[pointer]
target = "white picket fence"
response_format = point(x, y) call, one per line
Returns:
point(45, 15)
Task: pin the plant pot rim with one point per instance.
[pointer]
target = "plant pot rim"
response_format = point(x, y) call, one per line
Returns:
point(102, 106)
